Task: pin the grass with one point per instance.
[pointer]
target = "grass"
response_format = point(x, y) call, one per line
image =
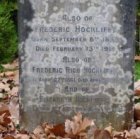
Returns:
point(137, 70)
point(1, 68)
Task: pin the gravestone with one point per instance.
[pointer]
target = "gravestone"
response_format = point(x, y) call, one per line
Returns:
point(76, 56)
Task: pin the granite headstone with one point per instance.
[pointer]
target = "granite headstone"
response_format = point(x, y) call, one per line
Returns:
point(76, 56)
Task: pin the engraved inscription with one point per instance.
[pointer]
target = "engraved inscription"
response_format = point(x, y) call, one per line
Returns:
point(73, 58)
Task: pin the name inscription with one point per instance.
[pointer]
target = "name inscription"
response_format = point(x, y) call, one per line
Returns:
point(74, 57)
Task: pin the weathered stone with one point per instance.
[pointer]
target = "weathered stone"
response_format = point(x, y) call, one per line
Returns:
point(76, 55)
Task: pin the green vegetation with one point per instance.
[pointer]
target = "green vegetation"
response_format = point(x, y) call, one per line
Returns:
point(137, 71)
point(8, 33)
point(137, 64)
point(1, 68)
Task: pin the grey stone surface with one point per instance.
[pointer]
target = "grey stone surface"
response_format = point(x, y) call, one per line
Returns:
point(76, 56)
